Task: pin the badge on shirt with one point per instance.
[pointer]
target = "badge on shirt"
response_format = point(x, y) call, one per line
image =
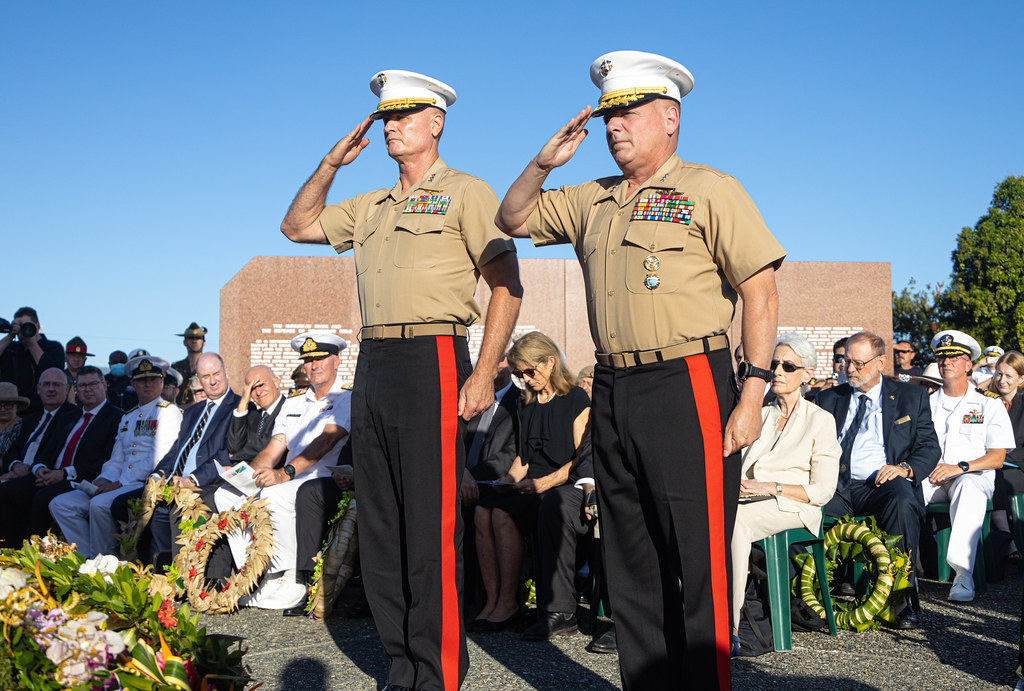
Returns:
point(145, 428)
point(673, 208)
point(432, 203)
point(327, 406)
point(975, 417)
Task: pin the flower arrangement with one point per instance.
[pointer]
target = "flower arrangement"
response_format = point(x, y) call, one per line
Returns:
point(69, 622)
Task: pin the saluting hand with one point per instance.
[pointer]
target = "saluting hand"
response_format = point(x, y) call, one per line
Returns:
point(563, 145)
point(346, 150)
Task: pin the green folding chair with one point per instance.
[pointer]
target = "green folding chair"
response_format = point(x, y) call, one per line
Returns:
point(982, 562)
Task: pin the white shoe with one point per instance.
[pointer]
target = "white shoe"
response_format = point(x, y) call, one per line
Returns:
point(283, 592)
point(963, 588)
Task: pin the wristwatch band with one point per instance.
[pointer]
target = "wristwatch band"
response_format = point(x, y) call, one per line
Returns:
point(778, 489)
point(747, 370)
point(964, 466)
point(289, 470)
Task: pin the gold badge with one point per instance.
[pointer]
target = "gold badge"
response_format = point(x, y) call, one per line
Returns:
point(308, 345)
point(652, 263)
point(606, 67)
point(946, 340)
point(145, 366)
point(651, 282)
point(382, 80)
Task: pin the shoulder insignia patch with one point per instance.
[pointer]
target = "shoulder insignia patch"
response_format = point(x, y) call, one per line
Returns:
point(990, 394)
point(163, 404)
point(298, 392)
point(347, 387)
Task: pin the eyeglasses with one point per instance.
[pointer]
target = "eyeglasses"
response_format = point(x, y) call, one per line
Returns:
point(8, 404)
point(857, 364)
point(528, 372)
point(89, 385)
point(902, 352)
point(942, 358)
point(787, 367)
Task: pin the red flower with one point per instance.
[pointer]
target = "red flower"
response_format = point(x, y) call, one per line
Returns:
point(244, 516)
point(166, 614)
point(222, 524)
point(203, 595)
point(199, 545)
point(191, 573)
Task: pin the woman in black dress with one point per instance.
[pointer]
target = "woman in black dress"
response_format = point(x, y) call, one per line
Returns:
point(541, 496)
point(1008, 382)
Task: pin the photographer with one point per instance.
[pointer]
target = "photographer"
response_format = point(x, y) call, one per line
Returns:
point(25, 353)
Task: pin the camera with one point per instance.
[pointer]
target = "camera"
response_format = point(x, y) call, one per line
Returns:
point(28, 329)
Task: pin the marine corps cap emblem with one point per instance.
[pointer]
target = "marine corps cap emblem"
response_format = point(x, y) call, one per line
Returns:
point(381, 79)
point(606, 67)
point(308, 345)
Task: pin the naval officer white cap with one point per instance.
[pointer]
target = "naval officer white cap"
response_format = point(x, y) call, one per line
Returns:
point(628, 77)
point(403, 90)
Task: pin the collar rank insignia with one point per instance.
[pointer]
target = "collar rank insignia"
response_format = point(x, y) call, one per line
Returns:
point(308, 345)
point(427, 204)
point(673, 208)
point(975, 417)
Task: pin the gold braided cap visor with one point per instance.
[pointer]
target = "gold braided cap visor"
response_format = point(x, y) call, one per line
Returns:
point(396, 104)
point(629, 96)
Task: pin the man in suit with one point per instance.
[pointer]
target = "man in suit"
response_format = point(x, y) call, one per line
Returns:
point(74, 451)
point(198, 454)
point(37, 427)
point(254, 417)
point(888, 447)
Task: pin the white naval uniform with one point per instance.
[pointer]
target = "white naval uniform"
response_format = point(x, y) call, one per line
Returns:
point(967, 428)
point(301, 420)
point(144, 435)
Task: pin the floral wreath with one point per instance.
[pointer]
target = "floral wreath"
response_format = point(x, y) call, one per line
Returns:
point(200, 529)
point(888, 568)
point(336, 560)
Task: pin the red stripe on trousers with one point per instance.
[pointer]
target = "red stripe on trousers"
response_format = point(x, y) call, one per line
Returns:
point(449, 502)
point(710, 419)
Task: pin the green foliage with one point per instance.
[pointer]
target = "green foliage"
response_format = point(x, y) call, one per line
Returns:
point(917, 315)
point(987, 293)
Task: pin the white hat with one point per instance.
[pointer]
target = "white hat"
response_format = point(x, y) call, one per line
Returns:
point(403, 90)
point(953, 342)
point(314, 344)
point(627, 77)
point(136, 353)
point(930, 375)
point(994, 351)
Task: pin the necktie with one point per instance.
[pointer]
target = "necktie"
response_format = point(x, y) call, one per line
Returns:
point(180, 465)
point(43, 424)
point(851, 434)
point(263, 423)
point(69, 450)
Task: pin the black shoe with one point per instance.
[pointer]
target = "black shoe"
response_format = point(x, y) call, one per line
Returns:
point(907, 619)
point(606, 643)
point(298, 610)
point(551, 624)
point(487, 626)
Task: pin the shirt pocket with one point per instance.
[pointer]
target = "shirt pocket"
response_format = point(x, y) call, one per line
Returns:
point(361, 240)
point(654, 251)
point(419, 241)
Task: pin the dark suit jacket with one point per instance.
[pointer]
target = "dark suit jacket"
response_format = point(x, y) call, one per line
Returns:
point(213, 449)
point(1015, 455)
point(907, 429)
point(243, 440)
point(93, 448)
point(500, 441)
point(28, 426)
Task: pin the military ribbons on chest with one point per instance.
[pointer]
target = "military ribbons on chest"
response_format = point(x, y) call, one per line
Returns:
point(145, 428)
point(427, 204)
point(673, 208)
point(975, 417)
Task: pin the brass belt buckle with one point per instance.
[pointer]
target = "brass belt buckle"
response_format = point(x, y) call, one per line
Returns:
point(377, 332)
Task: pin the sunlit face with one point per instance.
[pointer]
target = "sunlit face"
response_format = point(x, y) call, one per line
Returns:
point(953, 368)
point(1006, 379)
point(903, 353)
point(637, 134)
point(91, 390)
point(75, 361)
point(537, 376)
point(212, 376)
point(321, 370)
point(863, 366)
point(838, 357)
point(411, 132)
point(53, 388)
point(148, 388)
point(784, 382)
point(269, 388)
point(194, 344)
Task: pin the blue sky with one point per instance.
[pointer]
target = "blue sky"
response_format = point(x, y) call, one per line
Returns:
point(150, 150)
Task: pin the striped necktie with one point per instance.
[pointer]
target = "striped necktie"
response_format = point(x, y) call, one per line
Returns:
point(196, 436)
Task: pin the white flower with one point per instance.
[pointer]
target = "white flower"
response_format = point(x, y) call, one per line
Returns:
point(81, 646)
point(105, 564)
point(11, 580)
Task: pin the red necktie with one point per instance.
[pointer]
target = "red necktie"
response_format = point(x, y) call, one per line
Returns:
point(69, 450)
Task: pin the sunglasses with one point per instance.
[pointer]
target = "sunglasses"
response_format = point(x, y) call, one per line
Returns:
point(528, 372)
point(902, 352)
point(787, 367)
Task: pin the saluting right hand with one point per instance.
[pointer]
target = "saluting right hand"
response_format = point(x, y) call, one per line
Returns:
point(346, 150)
point(563, 145)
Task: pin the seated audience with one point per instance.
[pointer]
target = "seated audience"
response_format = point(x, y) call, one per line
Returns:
point(308, 436)
point(795, 461)
point(75, 451)
point(24, 359)
point(37, 427)
point(1008, 383)
point(888, 447)
point(253, 419)
point(144, 435)
point(11, 404)
point(543, 497)
point(974, 434)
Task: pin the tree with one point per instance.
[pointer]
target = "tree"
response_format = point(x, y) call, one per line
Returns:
point(986, 297)
point(917, 315)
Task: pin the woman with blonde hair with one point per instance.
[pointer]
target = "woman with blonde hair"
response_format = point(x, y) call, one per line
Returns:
point(540, 496)
point(1008, 382)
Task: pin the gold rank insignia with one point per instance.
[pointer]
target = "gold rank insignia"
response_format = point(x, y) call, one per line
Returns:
point(606, 67)
point(652, 263)
point(145, 366)
point(382, 79)
point(946, 340)
point(308, 345)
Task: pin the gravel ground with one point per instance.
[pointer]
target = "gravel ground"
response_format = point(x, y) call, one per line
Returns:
point(958, 646)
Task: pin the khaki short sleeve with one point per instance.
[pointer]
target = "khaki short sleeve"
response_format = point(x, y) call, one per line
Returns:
point(482, 238)
point(556, 219)
point(736, 235)
point(338, 222)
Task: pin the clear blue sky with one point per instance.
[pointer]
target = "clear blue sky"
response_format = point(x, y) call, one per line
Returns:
point(150, 150)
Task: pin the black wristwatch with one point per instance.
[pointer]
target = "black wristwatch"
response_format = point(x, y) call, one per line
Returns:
point(964, 466)
point(289, 470)
point(746, 370)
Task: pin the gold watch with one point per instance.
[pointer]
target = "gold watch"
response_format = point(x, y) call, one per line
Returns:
point(910, 471)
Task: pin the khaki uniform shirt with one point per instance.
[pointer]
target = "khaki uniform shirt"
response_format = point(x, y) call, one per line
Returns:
point(659, 266)
point(417, 254)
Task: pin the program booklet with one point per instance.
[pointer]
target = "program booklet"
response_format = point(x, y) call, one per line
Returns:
point(239, 476)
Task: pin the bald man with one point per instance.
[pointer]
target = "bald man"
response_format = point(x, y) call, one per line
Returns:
point(253, 419)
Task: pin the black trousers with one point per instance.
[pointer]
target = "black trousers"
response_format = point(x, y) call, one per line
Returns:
point(408, 458)
point(315, 504)
point(668, 505)
point(25, 509)
point(559, 525)
point(897, 506)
